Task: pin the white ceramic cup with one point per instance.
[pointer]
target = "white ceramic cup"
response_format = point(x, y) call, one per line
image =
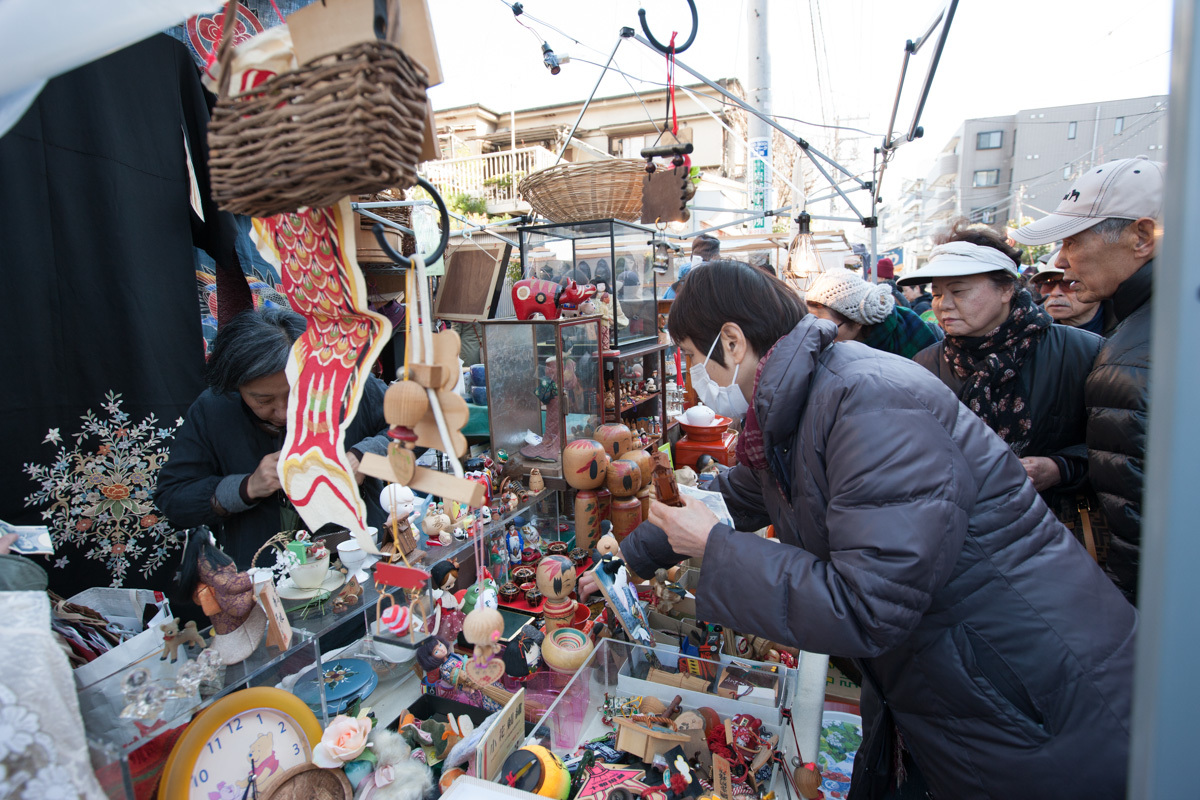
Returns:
point(310, 575)
point(352, 556)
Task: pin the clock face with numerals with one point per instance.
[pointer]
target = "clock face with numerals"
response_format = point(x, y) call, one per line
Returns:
point(254, 735)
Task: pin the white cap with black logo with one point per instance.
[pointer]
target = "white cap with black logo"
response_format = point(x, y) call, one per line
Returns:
point(1129, 188)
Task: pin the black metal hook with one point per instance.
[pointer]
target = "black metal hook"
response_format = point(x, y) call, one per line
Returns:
point(378, 229)
point(663, 48)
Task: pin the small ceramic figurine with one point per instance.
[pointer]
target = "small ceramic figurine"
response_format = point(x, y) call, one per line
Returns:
point(483, 628)
point(173, 638)
point(529, 531)
point(449, 610)
point(652, 384)
point(225, 595)
point(536, 483)
point(610, 399)
point(399, 503)
point(438, 528)
point(515, 543)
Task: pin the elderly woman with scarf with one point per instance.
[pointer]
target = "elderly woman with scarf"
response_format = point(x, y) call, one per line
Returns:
point(994, 651)
point(867, 313)
point(1007, 361)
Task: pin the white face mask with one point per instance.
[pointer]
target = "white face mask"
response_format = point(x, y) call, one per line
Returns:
point(728, 401)
point(697, 260)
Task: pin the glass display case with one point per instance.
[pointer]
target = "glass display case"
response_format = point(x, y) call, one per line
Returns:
point(618, 254)
point(543, 378)
point(635, 391)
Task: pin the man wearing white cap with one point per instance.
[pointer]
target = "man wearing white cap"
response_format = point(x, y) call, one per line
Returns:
point(1108, 223)
point(1061, 300)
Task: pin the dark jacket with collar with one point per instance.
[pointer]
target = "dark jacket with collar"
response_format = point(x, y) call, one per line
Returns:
point(911, 540)
point(1053, 374)
point(220, 443)
point(1117, 398)
point(922, 303)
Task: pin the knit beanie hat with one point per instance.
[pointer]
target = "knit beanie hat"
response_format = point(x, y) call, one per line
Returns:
point(885, 269)
point(852, 297)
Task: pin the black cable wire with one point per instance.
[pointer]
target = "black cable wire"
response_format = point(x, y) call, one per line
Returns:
point(720, 99)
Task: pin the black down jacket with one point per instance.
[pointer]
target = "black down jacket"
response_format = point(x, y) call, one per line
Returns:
point(911, 540)
point(1117, 401)
point(1053, 375)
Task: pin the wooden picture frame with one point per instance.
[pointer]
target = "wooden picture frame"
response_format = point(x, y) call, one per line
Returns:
point(470, 289)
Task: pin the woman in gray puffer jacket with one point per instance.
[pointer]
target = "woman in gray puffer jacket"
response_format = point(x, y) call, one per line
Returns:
point(995, 653)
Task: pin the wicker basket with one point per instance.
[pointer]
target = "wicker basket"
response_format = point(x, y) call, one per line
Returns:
point(346, 123)
point(591, 190)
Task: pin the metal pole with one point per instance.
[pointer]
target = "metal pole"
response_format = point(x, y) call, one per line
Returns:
point(625, 32)
point(758, 178)
point(1166, 693)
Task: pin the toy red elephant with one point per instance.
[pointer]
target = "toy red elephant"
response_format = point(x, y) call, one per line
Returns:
point(538, 299)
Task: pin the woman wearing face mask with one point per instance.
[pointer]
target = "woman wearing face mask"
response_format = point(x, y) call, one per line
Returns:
point(993, 649)
point(1006, 360)
point(223, 467)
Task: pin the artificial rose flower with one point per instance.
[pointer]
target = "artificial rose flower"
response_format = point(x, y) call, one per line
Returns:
point(344, 740)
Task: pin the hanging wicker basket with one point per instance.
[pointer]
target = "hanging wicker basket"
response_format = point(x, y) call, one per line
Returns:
point(346, 123)
point(591, 190)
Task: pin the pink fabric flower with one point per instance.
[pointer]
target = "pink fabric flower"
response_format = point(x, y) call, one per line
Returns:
point(343, 741)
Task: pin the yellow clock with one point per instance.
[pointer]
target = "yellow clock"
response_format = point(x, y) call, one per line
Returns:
point(253, 735)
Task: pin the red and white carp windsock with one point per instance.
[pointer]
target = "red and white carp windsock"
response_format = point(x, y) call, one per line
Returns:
point(330, 362)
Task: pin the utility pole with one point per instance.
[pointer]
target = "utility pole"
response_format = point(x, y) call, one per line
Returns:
point(758, 178)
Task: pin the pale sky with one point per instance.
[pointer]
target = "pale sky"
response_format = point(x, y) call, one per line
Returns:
point(1000, 57)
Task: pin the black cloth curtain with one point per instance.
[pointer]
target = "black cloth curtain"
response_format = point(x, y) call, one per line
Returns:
point(96, 250)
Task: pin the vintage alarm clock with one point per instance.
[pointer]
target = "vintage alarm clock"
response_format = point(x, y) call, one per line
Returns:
point(272, 728)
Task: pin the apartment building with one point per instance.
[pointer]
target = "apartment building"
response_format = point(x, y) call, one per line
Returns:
point(996, 169)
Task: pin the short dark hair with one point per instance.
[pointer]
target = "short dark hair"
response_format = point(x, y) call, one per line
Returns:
point(253, 344)
point(707, 247)
point(764, 307)
point(961, 230)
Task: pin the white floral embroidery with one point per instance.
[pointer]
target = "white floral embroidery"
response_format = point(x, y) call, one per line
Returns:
point(16, 730)
point(51, 783)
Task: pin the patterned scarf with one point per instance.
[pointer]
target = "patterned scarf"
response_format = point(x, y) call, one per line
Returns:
point(749, 448)
point(990, 369)
point(902, 332)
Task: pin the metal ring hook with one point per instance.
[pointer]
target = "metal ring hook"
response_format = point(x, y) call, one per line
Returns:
point(662, 48)
point(444, 240)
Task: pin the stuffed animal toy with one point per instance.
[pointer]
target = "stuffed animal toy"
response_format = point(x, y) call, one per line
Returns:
point(173, 638)
point(398, 775)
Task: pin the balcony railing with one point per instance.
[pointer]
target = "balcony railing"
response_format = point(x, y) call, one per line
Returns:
point(493, 177)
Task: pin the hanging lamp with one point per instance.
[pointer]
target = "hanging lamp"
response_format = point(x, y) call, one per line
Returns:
point(803, 264)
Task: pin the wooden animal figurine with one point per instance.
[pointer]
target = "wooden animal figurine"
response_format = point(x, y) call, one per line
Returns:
point(173, 638)
point(585, 466)
point(538, 299)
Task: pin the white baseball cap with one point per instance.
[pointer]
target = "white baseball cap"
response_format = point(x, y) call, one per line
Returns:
point(953, 259)
point(1129, 188)
point(1046, 269)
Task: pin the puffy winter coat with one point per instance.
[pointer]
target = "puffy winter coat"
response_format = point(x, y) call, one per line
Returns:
point(1116, 395)
point(911, 540)
point(1053, 375)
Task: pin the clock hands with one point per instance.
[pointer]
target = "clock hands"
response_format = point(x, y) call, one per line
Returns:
point(251, 792)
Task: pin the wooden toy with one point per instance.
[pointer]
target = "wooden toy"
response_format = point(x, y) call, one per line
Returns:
point(646, 737)
point(585, 466)
point(556, 579)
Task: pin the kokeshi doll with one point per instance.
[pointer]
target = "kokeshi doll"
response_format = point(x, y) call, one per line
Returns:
point(616, 438)
point(556, 579)
point(624, 479)
point(585, 468)
point(645, 463)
